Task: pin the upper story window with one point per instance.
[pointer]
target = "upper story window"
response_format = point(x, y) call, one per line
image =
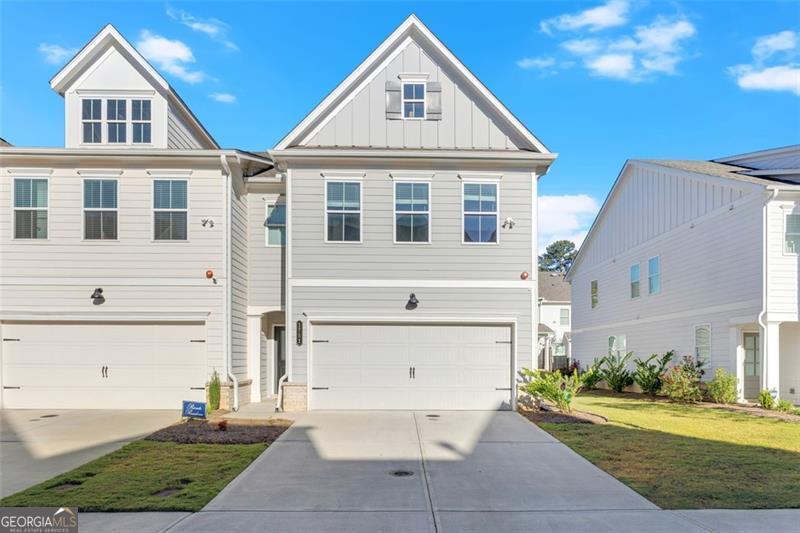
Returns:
point(564, 318)
point(276, 224)
point(413, 100)
point(635, 281)
point(792, 234)
point(91, 119)
point(115, 120)
point(343, 211)
point(594, 294)
point(412, 212)
point(30, 208)
point(141, 121)
point(100, 209)
point(702, 342)
point(654, 275)
point(170, 210)
point(480, 211)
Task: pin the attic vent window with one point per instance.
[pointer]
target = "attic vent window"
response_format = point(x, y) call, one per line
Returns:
point(414, 101)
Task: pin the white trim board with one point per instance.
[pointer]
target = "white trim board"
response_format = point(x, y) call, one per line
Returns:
point(407, 283)
point(113, 282)
point(83, 316)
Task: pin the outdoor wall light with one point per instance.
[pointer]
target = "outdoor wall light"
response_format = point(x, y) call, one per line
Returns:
point(97, 296)
point(412, 302)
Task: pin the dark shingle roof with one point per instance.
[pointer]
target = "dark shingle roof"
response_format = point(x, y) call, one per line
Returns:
point(544, 328)
point(711, 168)
point(553, 287)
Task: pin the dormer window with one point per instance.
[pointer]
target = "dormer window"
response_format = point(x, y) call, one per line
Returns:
point(115, 116)
point(92, 125)
point(140, 115)
point(414, 101)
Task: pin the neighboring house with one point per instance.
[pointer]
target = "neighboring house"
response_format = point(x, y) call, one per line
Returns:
point(554, 320)
point(381, 256)
point(700, 257)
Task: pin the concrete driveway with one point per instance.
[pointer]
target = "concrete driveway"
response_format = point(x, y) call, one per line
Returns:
point(36, 445)
point(424, 471)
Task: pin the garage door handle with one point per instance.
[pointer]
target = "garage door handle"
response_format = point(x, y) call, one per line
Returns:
point(503, 388)
point(197, 340)
point(197, 388)
point(317, 340)
point(502, 342)
point(10, 387)
point(319, 388)
point(10, 340)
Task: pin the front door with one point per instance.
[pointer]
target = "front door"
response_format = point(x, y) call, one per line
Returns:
point(752, 365)
point(280, 355)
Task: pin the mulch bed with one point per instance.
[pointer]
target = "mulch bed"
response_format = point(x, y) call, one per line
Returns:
point(553, 416)
point(236, 431)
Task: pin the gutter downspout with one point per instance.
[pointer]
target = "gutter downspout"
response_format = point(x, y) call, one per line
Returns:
point(764, 265)
point(226, 169)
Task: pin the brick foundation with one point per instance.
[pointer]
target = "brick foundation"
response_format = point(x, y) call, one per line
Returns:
point(226, 394)
point(294, 397)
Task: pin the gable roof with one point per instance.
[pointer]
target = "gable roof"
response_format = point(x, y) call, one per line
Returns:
point(110, 36)
point(412, 28)
point(553, 287)
point(785, 157)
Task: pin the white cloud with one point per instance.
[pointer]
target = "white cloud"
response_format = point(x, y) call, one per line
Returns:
point(56, 54)
point(782, 75)
point(612, 13)
point(581, 47)
point(611, 65)
point(213, 28)
point(171, 56)
point(536, 62)
point(225, 98)
point(565, 217)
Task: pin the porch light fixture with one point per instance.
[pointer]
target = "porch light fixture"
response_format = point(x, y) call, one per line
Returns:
point(412, 302)
point(97, 297)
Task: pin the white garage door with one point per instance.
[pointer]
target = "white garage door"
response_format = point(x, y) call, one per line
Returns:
point(102, 365)
point(410, 366)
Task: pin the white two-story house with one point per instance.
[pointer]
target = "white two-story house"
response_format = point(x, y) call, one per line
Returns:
point(554, 320)
point(381, 256)
point(700, 257)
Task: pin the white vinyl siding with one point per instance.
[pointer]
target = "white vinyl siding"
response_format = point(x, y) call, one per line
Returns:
point(702, 342)
point(31, 216)
point(635, 281)
point(617, 345)
point(654, 275)
point(412, 212)
point(141, 116)
point(480, 213)
point(343, 211)
point(91, 120)
point(564, 316)
point(170, 210)
point(792, 234)
point(100, 209)
point(275, 224)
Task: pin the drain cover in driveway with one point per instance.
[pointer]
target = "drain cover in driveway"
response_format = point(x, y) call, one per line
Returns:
point(432, 416)
point(402, 473)
point(48, 416)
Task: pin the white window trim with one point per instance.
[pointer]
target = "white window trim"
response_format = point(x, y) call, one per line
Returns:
point(268, 203)
point(592, 303)
point(154, 211)
point(638, 280)
point(14, 210)
point(694, 340)
point(331, 178)
point(84, 209)
point(133, 121)
point(429, 212)
point(786, 232)
point(464, 212)
point(100, 121)
point(649, 276)
point(561, 316)
point(403, 100)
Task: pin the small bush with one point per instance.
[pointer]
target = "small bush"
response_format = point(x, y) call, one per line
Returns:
point(614, 371)
point(765, 399)
point(214, 392)
point(681, 383)
point(554, 387)
point(722, 389)
point(591, 377)
point(785, 406)
point(648, 372)
point(574, 366)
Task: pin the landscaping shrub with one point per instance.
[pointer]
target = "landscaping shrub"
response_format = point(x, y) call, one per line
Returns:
point(591, 377)
point(614, 371)
point(574, 366)
point(554, 387)
point(214, 392)
point(681, 383)
point(648, 372)
point(765, 399)
point(785, 406)
point(722, 389)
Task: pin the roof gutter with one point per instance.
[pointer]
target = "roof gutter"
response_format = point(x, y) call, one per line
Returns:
point(228, 329)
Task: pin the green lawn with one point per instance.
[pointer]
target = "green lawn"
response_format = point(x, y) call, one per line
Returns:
point(187, 476)
point(684, 457)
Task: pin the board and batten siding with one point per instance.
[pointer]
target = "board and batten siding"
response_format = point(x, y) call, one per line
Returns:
point(266, 273)
point(465, 123)
point(783, 296)
point(378, 257)
point(39, 276)
point(461, 304)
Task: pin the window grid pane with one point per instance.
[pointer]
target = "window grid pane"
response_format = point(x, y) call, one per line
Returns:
point(343, 210)
point(792, 237)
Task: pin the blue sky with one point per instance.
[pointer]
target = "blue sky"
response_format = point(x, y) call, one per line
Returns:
point(597, 82)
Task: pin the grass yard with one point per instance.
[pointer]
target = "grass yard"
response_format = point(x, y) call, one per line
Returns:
point(685, 457)
point(144, 476)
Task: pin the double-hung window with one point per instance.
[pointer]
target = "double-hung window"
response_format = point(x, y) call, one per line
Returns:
point(140, 121)
point(702, 342)
point(30, 208)
point(116, 111)
point(91, 110)
point(276, 224)
point(412, 212)
point(170, 210)
point(635, 286)
point(100, 209)
point(414, 100)
point(564, 318)
point(594, 294)
point(481, 215)
point(792, 237)
point(343, 211)
point(654, 275)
